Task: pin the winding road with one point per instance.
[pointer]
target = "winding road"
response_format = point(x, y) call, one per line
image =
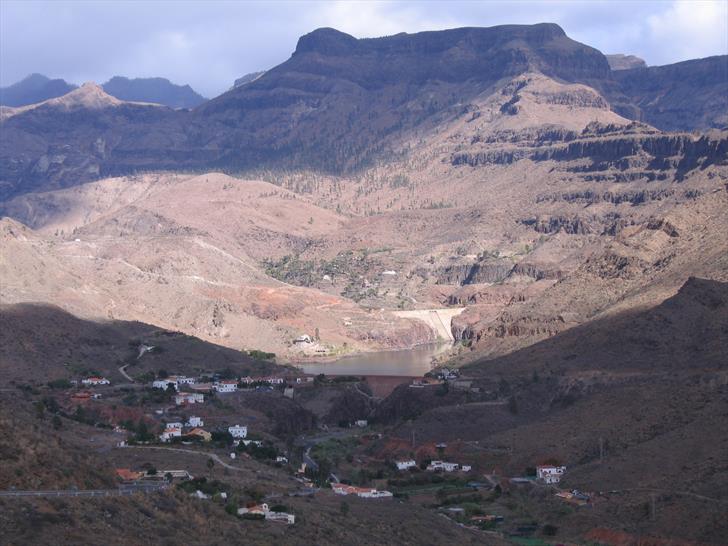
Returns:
point(122, 371)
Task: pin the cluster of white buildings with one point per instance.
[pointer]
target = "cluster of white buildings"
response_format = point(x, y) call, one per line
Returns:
point(174, 430)
point(550, 474)
point(364, 492)
point(271, 380)
point(444, 466)
point(405, 465)
point(95, 381)
point(220, 386)
point(184, 398)
point(228, 385)
point(174, 380)
point(263, 510)
point(238, 431)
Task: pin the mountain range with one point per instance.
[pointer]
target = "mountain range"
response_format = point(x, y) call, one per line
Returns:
point(38, 88)
point(340, 104)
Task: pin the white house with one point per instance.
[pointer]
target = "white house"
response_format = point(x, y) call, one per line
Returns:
point(281, 459)
point(164, 384)
point(305, 338)
point(282, 517)
point(195, 422)
point(173, 425)
point(442, 465)
point(361, 423)
point(466, 468)
point(375, 494)
point(238, 431)
point(550, 473)
point(95, 381)
point(263, 510)
point(170, 433)
point(226, 386)
point(364, 492)
point(184, 380)
point(179, 474)
point(256, 443)
point(404, 465)
point(189, 398)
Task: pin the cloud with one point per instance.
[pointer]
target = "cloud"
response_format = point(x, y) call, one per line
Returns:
point(690, 29)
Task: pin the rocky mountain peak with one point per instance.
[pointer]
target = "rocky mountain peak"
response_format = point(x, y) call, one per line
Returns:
point(90, 95)
point(620, 61)
point(327, 41)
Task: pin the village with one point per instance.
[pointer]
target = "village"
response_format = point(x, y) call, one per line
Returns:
point(207, 415)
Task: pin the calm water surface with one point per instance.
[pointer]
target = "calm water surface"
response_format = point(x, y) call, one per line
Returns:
point(410, 362)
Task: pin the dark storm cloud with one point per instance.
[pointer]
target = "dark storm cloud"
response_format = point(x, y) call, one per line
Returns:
point(209, 44)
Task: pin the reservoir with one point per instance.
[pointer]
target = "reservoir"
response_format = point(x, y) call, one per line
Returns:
point(413, 362)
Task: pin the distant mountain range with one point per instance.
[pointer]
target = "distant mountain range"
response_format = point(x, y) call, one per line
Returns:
point(32, 89)
point(340, 104)
point(38, 88)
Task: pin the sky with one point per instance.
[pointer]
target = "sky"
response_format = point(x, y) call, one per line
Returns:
point(208, 44)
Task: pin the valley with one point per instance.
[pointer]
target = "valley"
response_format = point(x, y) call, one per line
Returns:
point(464, 286)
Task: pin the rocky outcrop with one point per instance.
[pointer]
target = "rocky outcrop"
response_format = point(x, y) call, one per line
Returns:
point(619, 61)
point(633, 197)
point(484, 271)
point(553, 224)
point(535, 271)
point(615, 158)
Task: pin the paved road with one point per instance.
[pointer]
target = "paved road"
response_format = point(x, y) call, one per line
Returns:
point(127, 489)
point(672, 492)
point(368, 396)
point(310, 463)
point(212, 456)
point(122, 371)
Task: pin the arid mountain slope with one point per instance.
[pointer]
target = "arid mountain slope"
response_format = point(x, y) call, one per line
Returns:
point(188, 264)
point(509, 206)
point(41, 343)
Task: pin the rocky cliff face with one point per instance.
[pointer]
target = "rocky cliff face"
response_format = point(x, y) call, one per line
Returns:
point(619, 61)
point(610, 155)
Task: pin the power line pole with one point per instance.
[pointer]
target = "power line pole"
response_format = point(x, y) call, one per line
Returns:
point(653, 506)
